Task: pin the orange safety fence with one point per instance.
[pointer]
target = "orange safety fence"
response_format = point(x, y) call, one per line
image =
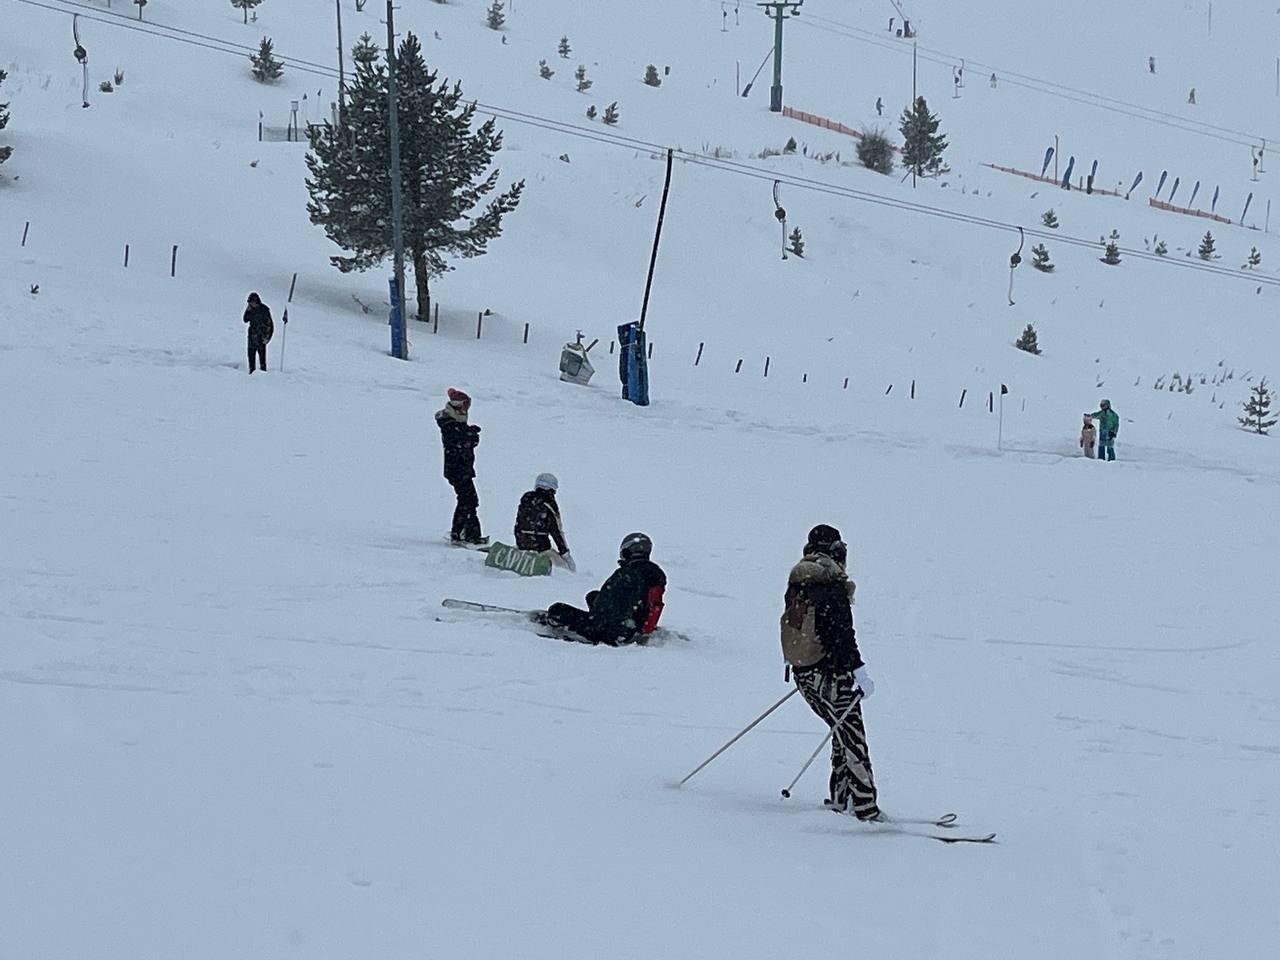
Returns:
point(1051, 180)
point(1162, 205)
point(827, 124)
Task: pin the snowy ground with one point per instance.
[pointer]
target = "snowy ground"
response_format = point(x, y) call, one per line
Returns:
point(237, 721)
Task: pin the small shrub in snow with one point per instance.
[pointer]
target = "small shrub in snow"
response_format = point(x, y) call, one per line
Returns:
point(106, 87)
point(494, 16)
point(611, 114)
point(651, 76)
point(875, 152)
point(1207, 249)
point(1111, 253)
point(1257, 409)
point(266, 68)
point(581, 76)
point(246, 6)
point(1027, 341)
point(1255, 258)
point(791, 145)
point(545, 72)
point(796, 244)
point(119, 77)
point(4, 121)
point(1162, 249)
point(591, 112)
point(1049, 219)
point(1040, 258)
point(564, 48)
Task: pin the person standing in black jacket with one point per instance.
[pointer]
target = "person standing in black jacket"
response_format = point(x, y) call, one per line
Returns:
point(460, 439)
point(821, 648)
point(258, 316)
point(626, 608)
point(538, 520)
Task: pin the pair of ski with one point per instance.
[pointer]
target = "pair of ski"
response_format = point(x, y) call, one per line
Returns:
point(931, 829)
point(538, 617)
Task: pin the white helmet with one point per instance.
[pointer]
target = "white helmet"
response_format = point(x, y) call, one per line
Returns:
point(546, 481)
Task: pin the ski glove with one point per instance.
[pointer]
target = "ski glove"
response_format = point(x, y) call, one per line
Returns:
point(861, 678)
point(567, 557)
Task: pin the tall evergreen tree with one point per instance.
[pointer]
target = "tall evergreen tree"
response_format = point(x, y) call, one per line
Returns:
point(495, 17)
point(266, 68)
point(1258, 408)
point(246, 6)
point(922, 145)
point(5, 152)
point(366, 50)
point(443, 165)
point(1207, 250)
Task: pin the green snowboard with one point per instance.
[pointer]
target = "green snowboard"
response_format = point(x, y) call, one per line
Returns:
point(527, 563)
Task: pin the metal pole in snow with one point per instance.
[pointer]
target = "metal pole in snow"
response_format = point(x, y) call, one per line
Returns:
point(1000, 433)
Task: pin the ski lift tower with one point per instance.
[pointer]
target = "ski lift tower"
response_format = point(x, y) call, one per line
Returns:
point(777, 11)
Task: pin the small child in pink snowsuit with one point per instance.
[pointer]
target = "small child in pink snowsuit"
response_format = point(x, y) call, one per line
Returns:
point(1088, 438)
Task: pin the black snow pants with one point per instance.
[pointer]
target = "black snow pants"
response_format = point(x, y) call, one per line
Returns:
point(258, 350)
point(831, 694)
point(466, 521)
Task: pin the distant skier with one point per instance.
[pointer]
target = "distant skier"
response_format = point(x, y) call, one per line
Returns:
point(258, 316)
point(879, 107)
point(819, 644)
point(460, 440)
point(627, 606)
point(1151, 64)
point(538, 521)
point(1191, 99)
point(1087, 437)
point(1108, 429)
point(993, 81)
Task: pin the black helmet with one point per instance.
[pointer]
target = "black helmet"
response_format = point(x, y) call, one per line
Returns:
point(635, 546)
point(826, 540)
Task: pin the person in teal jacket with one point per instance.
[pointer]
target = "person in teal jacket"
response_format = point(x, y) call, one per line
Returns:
point(1108, 428)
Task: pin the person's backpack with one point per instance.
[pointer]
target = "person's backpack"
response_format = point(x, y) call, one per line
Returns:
point(799, 625)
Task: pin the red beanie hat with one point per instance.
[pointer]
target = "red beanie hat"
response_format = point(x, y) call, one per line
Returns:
point(459, 399)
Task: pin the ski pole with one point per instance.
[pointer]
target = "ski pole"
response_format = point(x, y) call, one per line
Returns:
point(857, 698)
point(742, 733)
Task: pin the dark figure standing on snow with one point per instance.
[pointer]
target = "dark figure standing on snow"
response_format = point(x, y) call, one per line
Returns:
point(819, 644)
point(460, 439)
point(626, 608)
point(538, 520)
point(258, 316)
point(1108, 429)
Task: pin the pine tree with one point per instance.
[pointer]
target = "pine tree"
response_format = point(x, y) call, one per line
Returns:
point(1027, 341)
point(445, 173)
point(922, 145)
point(1049, 219)
point(246, 6)
point(790, 146)
point(875, 152)
point(1162, 249)
point(1255, 258)
point(565, 49)
point(495, 17)
point(651, 76)
point(1206, 251)
point(1041, 261)
point(581, 76)
point(591, 112)
point(266, 68)
point(610, 114)
point(365, 51)
point(1111, 255)
point(1258, 408)
point(797, 243)
point(140, 4)
point(5, 152)
point(545, 72)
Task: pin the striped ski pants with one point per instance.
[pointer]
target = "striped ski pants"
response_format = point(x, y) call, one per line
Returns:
point(830, 694)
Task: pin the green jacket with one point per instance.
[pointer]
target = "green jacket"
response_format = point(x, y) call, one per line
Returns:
point(1108, 424)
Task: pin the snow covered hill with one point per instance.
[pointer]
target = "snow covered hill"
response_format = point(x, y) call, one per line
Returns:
point(237, 720)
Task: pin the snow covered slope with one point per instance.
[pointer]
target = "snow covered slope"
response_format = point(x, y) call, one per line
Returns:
point(237, 721)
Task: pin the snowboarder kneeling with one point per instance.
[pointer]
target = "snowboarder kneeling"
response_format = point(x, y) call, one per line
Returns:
point(538, 521)
point(626, 608)
point(1087, 437)
point(819, 645)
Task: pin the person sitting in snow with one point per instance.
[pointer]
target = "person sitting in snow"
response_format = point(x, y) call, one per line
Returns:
point(460, 440)
point(1087, 437)
point(538, 521)
point(626, 608)
point(1108, 429)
